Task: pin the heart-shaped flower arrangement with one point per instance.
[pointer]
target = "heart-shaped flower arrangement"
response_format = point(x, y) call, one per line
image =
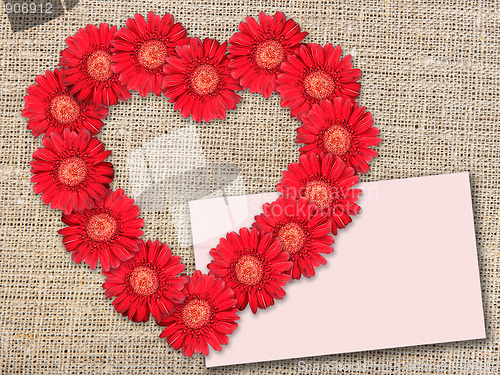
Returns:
point(101, 65)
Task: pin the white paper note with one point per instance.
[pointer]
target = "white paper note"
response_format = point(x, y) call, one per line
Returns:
point(404, 272)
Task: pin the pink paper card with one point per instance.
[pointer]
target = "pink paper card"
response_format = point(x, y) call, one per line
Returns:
point(404, 272)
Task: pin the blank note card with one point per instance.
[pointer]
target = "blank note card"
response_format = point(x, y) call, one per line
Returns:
point(404, 272)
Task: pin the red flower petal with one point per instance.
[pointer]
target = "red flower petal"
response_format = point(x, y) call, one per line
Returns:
point(140, 51)
point(147, 283)
point(314, 74)
point(50, 107)
point(199, 82)
point(327, 182)
point(88, 69)
point(108, 231)
point(302, 231)
point(258, 51)
point(340, 128)
point(254, 265)
point(70, 171)
point(206, 316)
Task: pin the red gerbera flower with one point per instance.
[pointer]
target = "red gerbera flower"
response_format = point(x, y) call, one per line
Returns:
point(326, 181)
point(87, 67)
point(108, 231)
point(340, 128)
point(147, 283)
point(50, 107)
point(69, 170)
point(254, 265)
point(140, 51)
point(207, 316)
point(315, 73)
point(258, 50)
point(303, 231)
point(199, 82)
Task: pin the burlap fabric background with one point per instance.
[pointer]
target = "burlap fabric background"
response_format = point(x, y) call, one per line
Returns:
point(430, 77)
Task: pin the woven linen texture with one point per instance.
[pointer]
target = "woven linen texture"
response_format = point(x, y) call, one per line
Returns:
point(431, 73)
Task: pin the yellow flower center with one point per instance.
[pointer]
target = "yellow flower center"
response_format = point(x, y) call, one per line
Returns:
point(320, 193)
point(196, 313)
point(337, 140)
point(144, 280)
point(64, 109)
point(152, 54)
point(101, 227)
point(249, 270)
point(204, 80)
point(269, 54)
point(72, 171)
point(292, 237)
point(319, 84)
point(99, 66)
